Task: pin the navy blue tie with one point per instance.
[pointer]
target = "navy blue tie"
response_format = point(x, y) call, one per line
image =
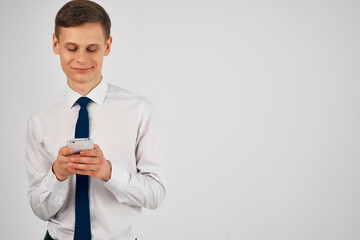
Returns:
point(82, 213)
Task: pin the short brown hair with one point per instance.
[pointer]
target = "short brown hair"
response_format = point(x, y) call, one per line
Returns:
point(77, 12)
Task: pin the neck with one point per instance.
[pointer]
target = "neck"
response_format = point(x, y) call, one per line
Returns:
point(83, 88)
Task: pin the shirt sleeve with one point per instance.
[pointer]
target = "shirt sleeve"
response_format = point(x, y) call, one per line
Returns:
point(146, 188)
point(46, 194)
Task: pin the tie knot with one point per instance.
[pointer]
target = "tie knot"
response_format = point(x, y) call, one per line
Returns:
point(83, 101)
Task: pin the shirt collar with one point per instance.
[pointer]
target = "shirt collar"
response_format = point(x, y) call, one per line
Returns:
point(97, 94)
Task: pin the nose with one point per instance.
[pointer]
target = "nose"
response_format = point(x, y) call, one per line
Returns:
point(81, 56)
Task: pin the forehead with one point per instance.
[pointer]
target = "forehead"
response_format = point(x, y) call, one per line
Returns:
point(87, 33)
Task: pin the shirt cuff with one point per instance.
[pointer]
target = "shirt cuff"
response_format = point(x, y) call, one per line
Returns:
point(119, 179)
point(56, 187)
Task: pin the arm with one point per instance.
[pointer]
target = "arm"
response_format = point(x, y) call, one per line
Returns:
point(146, 188)
point(46, 194)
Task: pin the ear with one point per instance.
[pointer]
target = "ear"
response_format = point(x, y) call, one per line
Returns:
point(55, 44)
point(108, 46)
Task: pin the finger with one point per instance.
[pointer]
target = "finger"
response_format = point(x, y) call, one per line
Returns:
point(80, 166)
point(72, 157)
point(65, 150)
point(71, 170)
point(76, 155)
point(83, 160)
point(84, 172)
point(92, 153)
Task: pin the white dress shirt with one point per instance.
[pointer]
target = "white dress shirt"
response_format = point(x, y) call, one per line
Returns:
point(124, 126)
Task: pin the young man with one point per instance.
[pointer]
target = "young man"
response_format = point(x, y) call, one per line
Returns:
point(99, 193)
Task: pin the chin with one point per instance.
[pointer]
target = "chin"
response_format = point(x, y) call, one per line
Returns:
point(82, 78)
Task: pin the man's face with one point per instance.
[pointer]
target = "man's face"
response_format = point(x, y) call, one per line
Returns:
point(82, 49)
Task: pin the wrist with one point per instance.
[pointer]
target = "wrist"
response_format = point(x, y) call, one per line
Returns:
point(108, 175)
point(58, 176)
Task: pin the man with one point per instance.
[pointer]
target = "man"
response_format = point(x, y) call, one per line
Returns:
point(99, 193)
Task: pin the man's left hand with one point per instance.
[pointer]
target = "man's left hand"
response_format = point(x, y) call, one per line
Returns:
point(91, 163)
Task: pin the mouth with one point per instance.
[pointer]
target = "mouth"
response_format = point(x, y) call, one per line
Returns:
point(82, 69)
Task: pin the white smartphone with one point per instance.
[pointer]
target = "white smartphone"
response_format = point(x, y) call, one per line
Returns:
point(78, 144)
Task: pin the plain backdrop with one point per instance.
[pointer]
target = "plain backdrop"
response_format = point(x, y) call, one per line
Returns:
point(259, 105)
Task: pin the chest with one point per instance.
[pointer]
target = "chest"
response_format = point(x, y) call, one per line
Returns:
point(114, 129)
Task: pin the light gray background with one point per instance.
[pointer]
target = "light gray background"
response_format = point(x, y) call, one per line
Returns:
point(259, 104)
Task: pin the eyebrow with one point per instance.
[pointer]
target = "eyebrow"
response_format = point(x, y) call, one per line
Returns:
point(90, 45)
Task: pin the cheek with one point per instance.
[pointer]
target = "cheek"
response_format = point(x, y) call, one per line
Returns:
point(66, 59)
point(98, 59)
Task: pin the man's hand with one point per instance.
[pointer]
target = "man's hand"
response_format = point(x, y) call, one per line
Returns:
point(60, 167)
point(90, 162)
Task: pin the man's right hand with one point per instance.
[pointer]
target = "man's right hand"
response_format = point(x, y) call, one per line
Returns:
point(60, 167)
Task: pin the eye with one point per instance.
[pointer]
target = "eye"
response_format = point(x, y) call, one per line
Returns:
point(91, 49)
point(72, 49)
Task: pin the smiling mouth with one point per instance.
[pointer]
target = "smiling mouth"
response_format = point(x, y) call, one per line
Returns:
point(82, 70)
